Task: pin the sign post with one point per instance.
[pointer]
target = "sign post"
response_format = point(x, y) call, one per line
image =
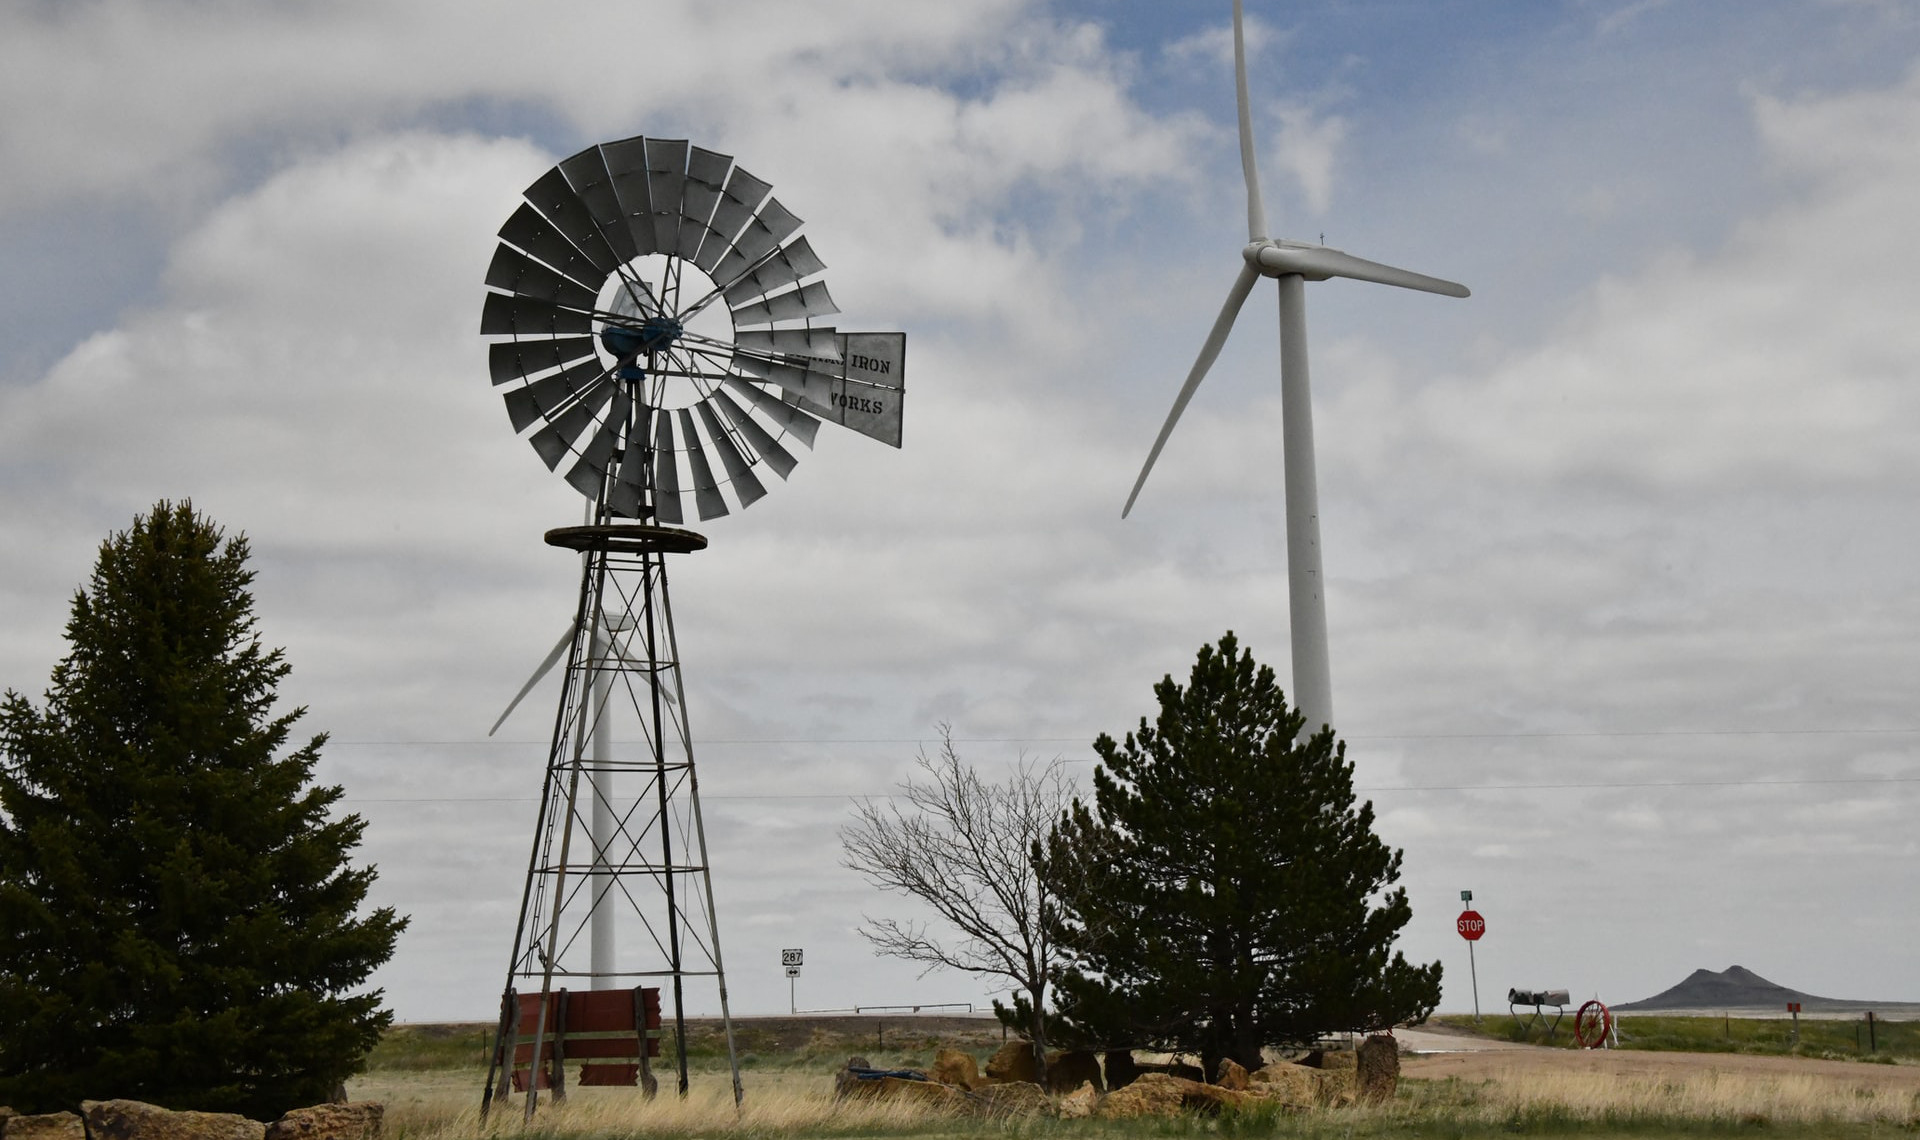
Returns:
point(1471, 926)
point(792, 959)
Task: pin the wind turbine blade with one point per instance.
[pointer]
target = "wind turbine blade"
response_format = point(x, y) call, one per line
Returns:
point(1222, 325)
point(1317, 263)
point(1256, 209)
point(545, 667)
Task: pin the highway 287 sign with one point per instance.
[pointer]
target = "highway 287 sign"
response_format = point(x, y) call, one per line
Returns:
point(1471, 925)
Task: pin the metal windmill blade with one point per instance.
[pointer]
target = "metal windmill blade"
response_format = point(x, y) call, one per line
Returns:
point(658, 332)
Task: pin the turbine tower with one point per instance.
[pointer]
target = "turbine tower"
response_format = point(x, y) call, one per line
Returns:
point(1291, 264)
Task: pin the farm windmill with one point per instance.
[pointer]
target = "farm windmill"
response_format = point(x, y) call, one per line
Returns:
point(651, 312)
point(1291, 264)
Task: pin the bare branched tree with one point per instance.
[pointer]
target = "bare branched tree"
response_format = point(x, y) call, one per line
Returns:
point(965, 848)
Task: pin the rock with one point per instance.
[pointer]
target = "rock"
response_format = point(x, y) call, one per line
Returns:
point(136, 1120)
point(1080, 1103)
point(1149, 1094)
point(1232, 1075)
point(1011, 1098)
point(930, 1093)
point(46, 1126)
point(952, 1067)
point(1162, 1094)
point(1283, 1082)
point(1339, 1059)
point(1068, 1071)
point(1013, 1062)
point(1120, 1068)
point(1336, 1087)
point(1378, 1068)
point(330, 1122)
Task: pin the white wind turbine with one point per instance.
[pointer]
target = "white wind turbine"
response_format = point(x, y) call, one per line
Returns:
point(603, 825)
point(1291, 264)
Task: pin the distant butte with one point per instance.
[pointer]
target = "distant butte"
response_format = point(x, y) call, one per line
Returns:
point(1737, 988)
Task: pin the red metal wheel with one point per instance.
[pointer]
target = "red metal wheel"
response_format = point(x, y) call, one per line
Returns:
point(1592, 1025)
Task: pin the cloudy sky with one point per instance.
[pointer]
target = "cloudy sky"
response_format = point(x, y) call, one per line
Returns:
point(1620, 551)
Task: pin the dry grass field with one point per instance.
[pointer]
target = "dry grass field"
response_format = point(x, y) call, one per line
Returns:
point(431, 1086)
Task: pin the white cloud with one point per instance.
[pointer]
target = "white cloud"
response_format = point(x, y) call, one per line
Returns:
point(1308, 149)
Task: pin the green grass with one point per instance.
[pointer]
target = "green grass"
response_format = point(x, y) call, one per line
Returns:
point(1894, 1041)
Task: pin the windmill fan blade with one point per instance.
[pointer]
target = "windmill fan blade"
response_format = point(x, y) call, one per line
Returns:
point(792, 420)
point(590, 473)
point(546, 666)
point(666, 472)
point(666, 179)
point(777, 457)
point(515, 272)
point(811, 382)
point(632, 470)
point(507, 315)
point(627, 166)
point(787, 266)
point(706, 173)
point(1256, 208)
point(511, 360)
point(809, 300)
point(623, 499)
point(768, 227)
point(1222, 325)
point(737, 203)
point(587, 173)
point(706, 492)
point(746, 486)
point(629, 478)
point(534, 234)
point(554, 441)
point(545, 397)
point(557, 202)
point(1317, 263)
point(817, 343)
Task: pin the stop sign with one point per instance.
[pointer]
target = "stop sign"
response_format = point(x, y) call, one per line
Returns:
point(1471, 925)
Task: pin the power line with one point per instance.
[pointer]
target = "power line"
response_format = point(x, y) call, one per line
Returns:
point(1381, 789)
point(1682, 732)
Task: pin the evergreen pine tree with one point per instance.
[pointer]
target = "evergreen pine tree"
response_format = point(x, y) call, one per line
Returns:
point(1224, 893)
point(177, 908)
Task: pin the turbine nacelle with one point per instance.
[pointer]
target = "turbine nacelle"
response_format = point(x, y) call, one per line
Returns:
point(1277, 257)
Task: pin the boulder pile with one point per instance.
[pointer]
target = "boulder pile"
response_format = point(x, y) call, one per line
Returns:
point(1082, 1085)
point(137, 1120)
